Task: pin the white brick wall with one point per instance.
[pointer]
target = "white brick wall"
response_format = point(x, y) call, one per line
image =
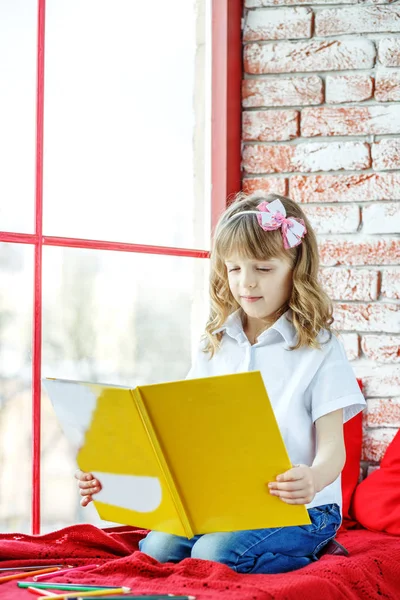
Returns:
point(322, 124)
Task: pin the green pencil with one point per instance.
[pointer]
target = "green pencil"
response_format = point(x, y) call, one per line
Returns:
point(65, 586)
point(151, 597)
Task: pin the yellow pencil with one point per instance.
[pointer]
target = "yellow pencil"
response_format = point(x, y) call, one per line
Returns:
point(107, 592)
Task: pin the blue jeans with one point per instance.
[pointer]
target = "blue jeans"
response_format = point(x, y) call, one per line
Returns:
point(276, 550)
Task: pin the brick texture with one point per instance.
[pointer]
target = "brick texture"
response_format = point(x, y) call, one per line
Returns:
point(357, 19)
point(285, 91)
point(359, 252)
point(387, 88)
point(348, 88)
point(389, 52)
point(380, 381)
point(346, 188)
point(297, 57)
point(366, 187)
point(386, 154)
point(350, 120)
point(350, 284)
point(324, 78)
point(368, 317)
point(259, 3)
point(381, 218)
point(328, 219)
point(390, 286)
point(270, 126)
point(383, 412)
point(375, 443)
point(280, 24)
point(306, 158)
point(381, 348)
point(266, 185)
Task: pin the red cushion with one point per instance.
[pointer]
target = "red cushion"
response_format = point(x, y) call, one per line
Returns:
point(351, 471)
point(376, 503)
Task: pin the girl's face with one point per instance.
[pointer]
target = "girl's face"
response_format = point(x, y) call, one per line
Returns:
point(261, 288)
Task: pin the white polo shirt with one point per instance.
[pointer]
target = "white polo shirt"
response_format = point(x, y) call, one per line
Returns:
point(303, 385)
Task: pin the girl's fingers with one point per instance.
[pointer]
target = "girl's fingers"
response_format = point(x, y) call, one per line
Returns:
point(296, 500)
point(292, 475)
point(290, 495)
point(88, 485)
point(85, 501)
point(85, 485)
point(89, 491)
point(287, 487)
point(82, 476)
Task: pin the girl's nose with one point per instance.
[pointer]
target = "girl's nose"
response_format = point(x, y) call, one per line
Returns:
point(248, 280)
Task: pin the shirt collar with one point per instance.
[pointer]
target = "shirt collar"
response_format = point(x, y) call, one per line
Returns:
point(233, 326)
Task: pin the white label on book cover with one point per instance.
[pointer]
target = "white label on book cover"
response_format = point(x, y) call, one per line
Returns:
point(134, 492)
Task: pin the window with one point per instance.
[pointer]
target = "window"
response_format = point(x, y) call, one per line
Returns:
point(115, 244)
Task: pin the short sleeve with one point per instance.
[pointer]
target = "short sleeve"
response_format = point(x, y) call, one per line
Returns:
point(335, 386)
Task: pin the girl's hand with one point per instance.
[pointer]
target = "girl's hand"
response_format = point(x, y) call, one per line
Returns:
point(88, 486)
point(296, 486)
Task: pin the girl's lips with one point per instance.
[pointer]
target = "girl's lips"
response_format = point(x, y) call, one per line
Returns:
point(251, 298)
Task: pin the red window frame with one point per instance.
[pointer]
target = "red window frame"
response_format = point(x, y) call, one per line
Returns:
point(225, 180)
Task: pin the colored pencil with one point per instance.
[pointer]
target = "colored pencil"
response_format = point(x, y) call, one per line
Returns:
point(27, 574)
point(148, 597)
point(63, 572)
point(43, 593)
point(33, 568)
point(74, 587)
point(93, 593)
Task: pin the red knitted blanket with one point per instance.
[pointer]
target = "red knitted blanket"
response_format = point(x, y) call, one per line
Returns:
point(371, 571)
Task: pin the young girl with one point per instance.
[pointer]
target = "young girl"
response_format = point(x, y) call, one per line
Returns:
point(269, 313)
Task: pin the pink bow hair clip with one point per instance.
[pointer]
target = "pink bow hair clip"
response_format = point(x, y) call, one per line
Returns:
point(272, 215)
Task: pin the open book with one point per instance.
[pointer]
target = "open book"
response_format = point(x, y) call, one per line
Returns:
point(186, 457)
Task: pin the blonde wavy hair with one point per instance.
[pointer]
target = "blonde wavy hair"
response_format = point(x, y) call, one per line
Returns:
point(311, 308)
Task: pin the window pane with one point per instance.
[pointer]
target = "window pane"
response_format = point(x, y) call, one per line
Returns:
point(17, 114)
point(16, 271)
point(121, 318)
point(125, 121)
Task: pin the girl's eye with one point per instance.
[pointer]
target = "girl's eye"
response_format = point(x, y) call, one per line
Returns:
point(258, 269)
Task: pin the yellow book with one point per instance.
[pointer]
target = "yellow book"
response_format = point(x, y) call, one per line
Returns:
point(185, 457)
